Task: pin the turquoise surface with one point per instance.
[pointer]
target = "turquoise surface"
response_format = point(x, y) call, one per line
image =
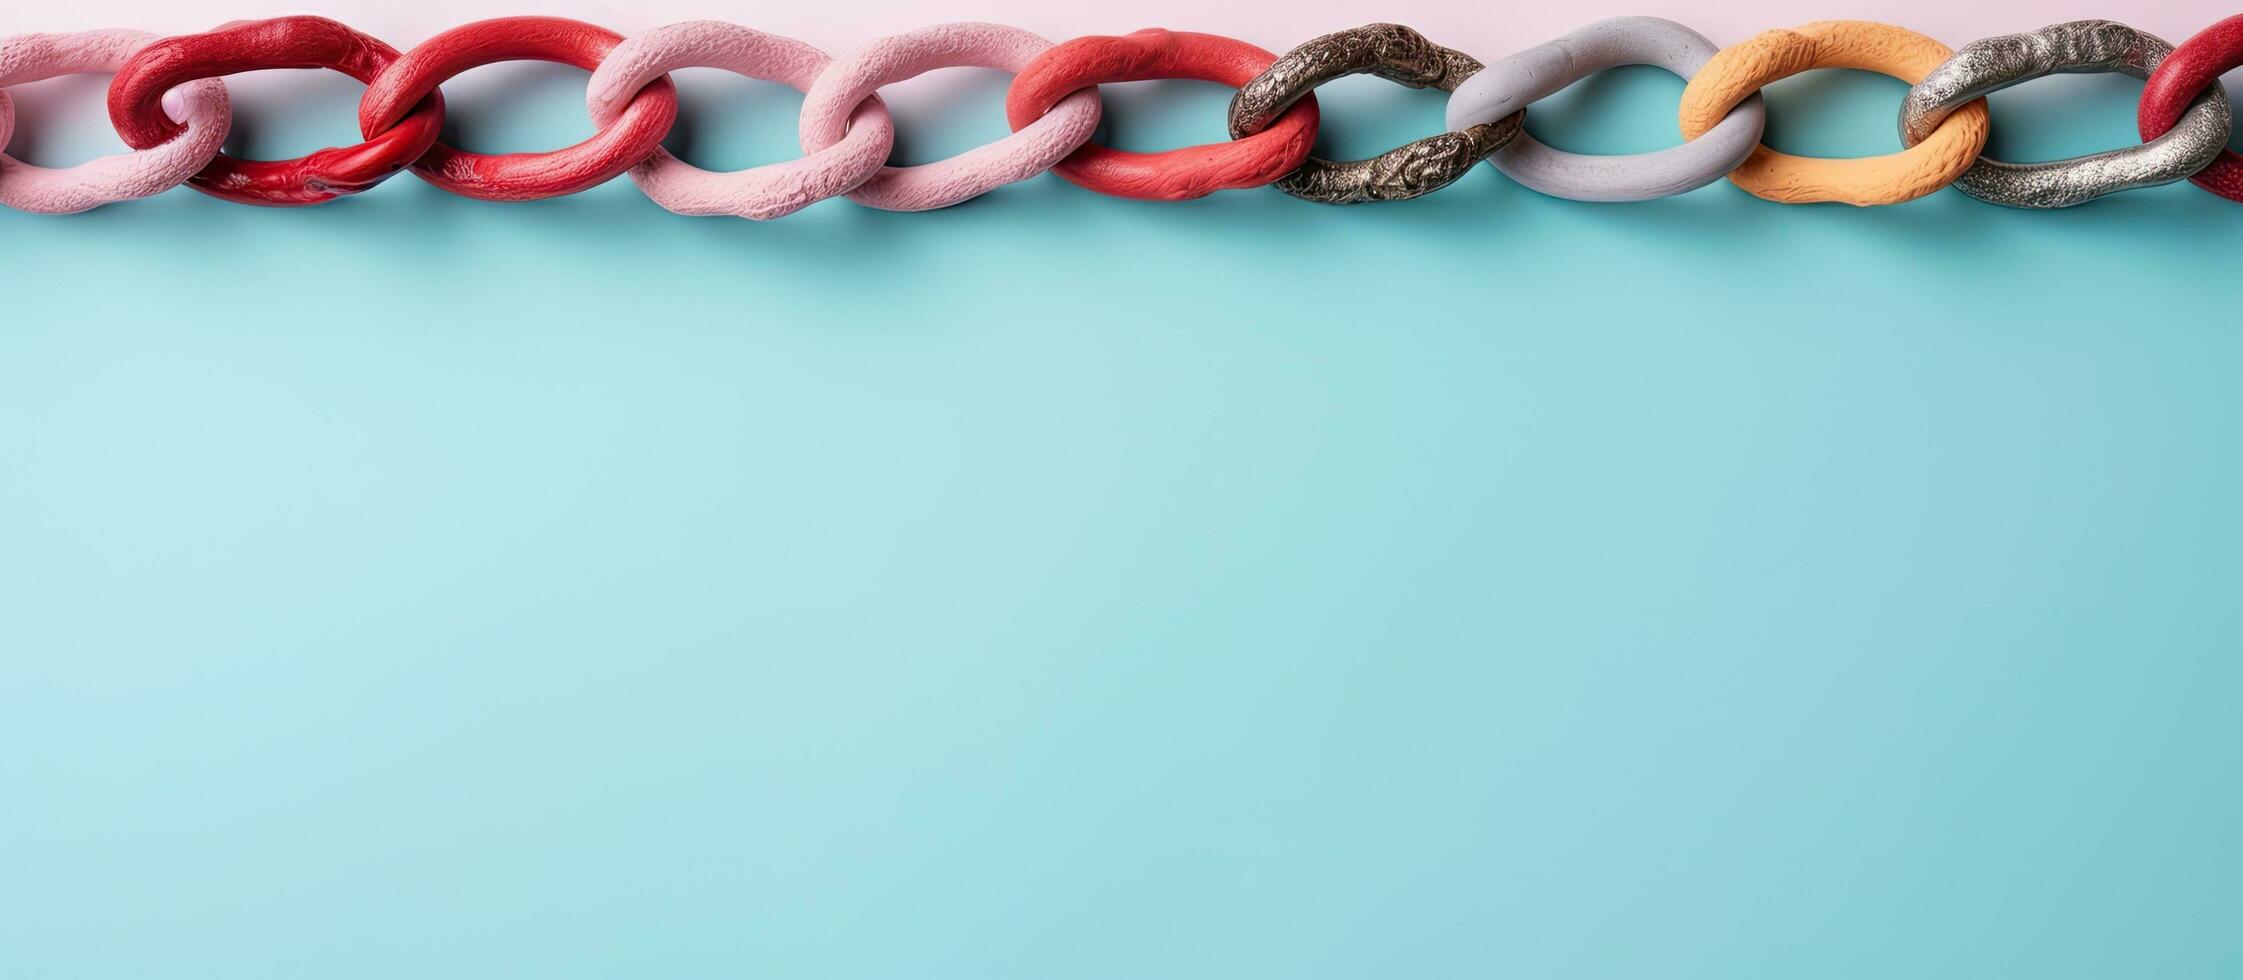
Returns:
point(1057, 586)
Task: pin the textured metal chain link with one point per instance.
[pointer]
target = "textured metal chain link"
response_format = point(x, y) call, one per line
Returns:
point(1983, 67)
point(1397, 54)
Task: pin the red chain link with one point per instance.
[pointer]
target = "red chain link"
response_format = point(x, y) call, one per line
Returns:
point(1173, 175)
point(136, 107)
point(2197, 63)
point(628, 141)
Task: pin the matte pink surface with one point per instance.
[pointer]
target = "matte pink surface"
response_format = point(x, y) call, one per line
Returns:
point(762, 192)
point(1027, 152)
point(201, 105)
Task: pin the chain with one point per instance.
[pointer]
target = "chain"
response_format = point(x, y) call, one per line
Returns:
point(168, 103)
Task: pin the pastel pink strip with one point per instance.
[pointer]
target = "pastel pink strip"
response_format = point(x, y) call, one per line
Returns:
point(201, 105)
point(762, 192)
point(856, 76)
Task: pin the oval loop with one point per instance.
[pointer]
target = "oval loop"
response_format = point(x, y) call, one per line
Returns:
point(1742, 69)
point(858, 75)
point(758, 193)
point(204, 115)
point(1986, 66)
point(1397, 54)
point(1172, 175)
point(630, 140)
point(136, 96)
point(1509, 85)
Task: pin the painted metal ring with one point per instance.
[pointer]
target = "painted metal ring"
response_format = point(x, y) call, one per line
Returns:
point(202, 107)
point(1173, 175)
point(136, 107)
point(1742, 69)
point(625, 143)
point(1984, 67)
point(1509, 85)
point(854, 77)
point(1399, 55)
point(758, 193)
point(2192, 68)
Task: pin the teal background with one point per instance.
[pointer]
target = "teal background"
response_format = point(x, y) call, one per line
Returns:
point(1057, 586)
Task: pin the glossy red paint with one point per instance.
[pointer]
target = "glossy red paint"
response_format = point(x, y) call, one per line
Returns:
point(136, 107)
point(630, 140)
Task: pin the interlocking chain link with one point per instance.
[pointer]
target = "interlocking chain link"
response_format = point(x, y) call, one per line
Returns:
point(205, 116)
point(1399, 55)
point(1510, 84)
point(1984, 67)
point(136, 107)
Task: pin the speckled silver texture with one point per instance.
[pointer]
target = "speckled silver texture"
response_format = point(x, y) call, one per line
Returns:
point(1510, 84)
point(1392, 52)
point(2079, 47)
